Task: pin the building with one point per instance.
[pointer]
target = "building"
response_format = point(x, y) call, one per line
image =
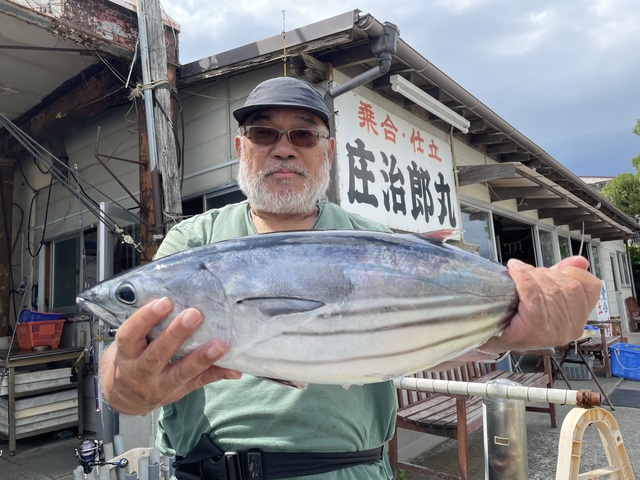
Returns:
point(415, 150)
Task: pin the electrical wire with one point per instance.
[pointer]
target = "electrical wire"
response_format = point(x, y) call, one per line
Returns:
point(15, 243)
point(61, 172)
point(44, 224)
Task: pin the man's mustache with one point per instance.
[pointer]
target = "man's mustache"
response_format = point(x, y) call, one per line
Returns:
point(284, 166)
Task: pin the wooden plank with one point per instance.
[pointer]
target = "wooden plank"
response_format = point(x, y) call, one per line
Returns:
point(510, 193)
point(45, 409)
point(61, 422)
point(23, 377)
point(39, 418)
point(506, 147)
point(41, 399)
point(486, 138)
point(561, 212)
point(28, 387)
point(468, 175)
point(535, 204)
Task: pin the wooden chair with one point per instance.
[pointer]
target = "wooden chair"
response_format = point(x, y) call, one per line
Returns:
point(457, 416)
point(634, 314)
point(598, 346)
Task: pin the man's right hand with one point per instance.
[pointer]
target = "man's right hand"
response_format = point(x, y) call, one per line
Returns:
point(138, 376)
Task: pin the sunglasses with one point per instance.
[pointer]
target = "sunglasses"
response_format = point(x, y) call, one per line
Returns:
point(265, 136)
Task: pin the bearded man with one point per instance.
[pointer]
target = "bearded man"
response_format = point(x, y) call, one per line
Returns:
point(224, 425)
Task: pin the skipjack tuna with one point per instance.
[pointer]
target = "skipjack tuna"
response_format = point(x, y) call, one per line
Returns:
point(329, 307)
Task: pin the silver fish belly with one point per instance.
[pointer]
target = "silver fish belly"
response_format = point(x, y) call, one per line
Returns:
point(329, 307)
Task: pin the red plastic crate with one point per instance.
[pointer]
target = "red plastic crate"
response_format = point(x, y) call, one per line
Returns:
point(44, 333)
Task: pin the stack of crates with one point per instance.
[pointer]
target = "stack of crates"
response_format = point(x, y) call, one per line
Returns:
point(577, 371)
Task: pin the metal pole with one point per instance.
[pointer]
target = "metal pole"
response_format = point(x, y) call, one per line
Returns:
point(581, 398)
point(505, 437)
point(143, 468)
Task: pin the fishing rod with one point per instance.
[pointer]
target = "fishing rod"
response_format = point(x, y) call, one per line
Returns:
point(583, 398)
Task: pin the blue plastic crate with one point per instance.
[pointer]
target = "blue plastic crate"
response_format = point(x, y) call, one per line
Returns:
point(31, 316)
point(625, 360)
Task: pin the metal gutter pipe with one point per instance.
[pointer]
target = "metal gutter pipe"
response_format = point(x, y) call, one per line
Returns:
point(383, 46)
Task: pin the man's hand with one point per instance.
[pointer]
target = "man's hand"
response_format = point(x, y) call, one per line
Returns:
point(554, 305)
point(137, 376)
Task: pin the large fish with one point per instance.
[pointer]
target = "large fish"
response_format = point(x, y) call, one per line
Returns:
point(329, 307)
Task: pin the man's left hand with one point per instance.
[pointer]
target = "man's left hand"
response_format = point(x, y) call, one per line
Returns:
point(554, 305)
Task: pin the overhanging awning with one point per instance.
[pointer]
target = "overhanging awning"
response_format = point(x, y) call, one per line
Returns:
point(533, 191)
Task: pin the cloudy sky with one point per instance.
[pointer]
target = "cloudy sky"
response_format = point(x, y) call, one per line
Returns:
point(564, 73)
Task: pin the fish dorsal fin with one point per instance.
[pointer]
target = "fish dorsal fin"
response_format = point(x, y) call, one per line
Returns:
point(274, 306)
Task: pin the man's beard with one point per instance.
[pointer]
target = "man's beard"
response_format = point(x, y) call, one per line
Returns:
point(283, 200)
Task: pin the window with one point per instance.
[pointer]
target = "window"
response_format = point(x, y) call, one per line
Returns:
point(595, 261)
point(66, 266)
point(625, 275)
point(614, 269)
point(580, 247)
point(565, 247)
point(73, 268)
point(547, 248)
point(476, 225)
point(74, 265)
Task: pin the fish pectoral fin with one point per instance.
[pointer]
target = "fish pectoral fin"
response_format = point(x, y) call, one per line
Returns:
point(286, 383)
point(274, 306)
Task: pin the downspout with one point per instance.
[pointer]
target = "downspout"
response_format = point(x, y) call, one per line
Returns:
point(384, 46)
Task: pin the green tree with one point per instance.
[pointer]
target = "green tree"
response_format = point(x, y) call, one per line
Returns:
point(624, 190)
point(634, 255)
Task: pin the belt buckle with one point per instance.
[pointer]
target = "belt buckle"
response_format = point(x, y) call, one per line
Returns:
point(224, 467)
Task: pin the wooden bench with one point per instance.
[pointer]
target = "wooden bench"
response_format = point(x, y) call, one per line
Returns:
point(457, 416)
point(610, 333)
point(634, 314)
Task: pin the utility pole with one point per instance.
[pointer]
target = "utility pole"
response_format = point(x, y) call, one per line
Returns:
point(157, 138)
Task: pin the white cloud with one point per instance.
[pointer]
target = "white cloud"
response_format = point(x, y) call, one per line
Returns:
point(551, 68)
point(614, 24)
point(464, 6)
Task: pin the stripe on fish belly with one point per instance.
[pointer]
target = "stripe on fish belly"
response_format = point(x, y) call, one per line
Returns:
point(368, 344)
point(405, 313)
point(418, 321)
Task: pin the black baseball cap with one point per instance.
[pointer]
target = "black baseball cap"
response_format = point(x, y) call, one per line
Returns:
point(285, 92)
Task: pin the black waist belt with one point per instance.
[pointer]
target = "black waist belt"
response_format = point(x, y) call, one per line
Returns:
point(206, 461)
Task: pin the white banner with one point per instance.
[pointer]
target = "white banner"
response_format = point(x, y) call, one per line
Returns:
point(601, 312)
point(391, 171)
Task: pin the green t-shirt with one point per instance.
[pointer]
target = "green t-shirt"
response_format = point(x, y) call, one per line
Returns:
point(254, 413)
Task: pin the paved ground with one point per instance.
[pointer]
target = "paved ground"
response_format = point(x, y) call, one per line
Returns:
point(44, 457)
point(543, 441)
point(49, 457)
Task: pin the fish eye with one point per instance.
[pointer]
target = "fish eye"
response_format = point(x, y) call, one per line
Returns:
point(126, 294)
